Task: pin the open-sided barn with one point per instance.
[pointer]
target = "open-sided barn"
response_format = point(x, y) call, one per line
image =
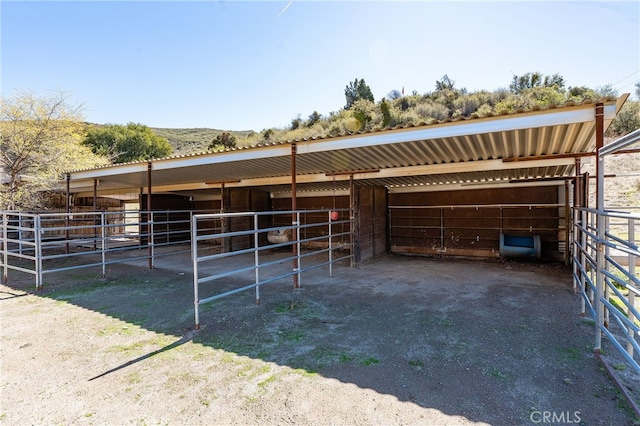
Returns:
point(465, 187)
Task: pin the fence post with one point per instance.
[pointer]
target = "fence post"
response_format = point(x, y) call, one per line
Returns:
point(575, 226)
point(256, 255)
point(583, 278)
point(605, 266)
point(152, 250)
point(330, 246)
point(600, 264)
point(20, 233)
point(631, 295)
point(38, 251)
point(592, 252)
point(299, 260)
point(194, 260)
point(5, 248)
point(103, 236)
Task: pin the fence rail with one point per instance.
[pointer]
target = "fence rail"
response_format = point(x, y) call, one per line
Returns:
point(605, 253)
point(46, 243)
point(253, 247)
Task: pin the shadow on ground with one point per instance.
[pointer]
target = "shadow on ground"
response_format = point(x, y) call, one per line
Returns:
point(500, 343)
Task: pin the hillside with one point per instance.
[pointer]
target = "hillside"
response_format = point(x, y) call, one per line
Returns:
point(622, 188)
point(191, 141)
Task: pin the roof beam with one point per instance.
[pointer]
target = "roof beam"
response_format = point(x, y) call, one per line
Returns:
point(432, 169)
point(468, 186)
point(548, 157)
point(394, 172)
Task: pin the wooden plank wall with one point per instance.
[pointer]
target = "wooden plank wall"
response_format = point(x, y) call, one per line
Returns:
point(371, 222)
point(470, 231)
point(165, 202)
point(314, 203)
point(246, 200)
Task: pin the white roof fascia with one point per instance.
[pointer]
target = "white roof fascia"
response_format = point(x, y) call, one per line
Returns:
point(109, 171)
point(453, 129)
point(224, 157)
point(585, 113)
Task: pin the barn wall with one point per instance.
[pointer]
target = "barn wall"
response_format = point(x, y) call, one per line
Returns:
point(245, 200)
point(465, 231)
point(371, 222)
point(314, 203)
point(208, 206)
point(179, 219)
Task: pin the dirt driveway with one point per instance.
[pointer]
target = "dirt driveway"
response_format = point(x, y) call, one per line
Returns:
point(397, 340)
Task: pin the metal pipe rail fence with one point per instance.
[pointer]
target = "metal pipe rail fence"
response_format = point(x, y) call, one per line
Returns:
point(253, 250)
point(44, 243)
point(604, 272)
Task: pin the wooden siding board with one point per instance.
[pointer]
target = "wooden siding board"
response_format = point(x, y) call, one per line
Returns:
point(467, 229)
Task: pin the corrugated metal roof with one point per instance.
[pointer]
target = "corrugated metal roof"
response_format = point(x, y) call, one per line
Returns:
point(462, 151)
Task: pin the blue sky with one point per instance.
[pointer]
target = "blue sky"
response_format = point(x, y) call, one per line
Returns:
point(240, 65)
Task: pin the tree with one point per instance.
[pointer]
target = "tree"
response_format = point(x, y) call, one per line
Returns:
point(386, 113)
point(363, 110)
point(445, 83)
point(356, 90)
point(296, 122)
point(555, 80)
point(580, 93)
point(122, 144)
point(267, 134)
point(40, 139)
point(530, 80)
point(222, 141)
point(314, 117)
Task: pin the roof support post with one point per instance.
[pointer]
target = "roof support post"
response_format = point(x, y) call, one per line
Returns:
point(95, 210)
point(599, 159)
point(149, 216)
point(577, 190)
point(294, 219)
point(352, 222)
point(567, 221)
point(600, 226)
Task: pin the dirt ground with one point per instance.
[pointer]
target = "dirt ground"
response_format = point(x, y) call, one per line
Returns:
point(396, 340)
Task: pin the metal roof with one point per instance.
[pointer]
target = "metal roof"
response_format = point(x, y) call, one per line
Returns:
point(446, 154)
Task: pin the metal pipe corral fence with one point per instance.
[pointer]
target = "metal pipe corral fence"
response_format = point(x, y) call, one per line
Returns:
point(605, 255)
point(252, 260)
point(45, 243)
